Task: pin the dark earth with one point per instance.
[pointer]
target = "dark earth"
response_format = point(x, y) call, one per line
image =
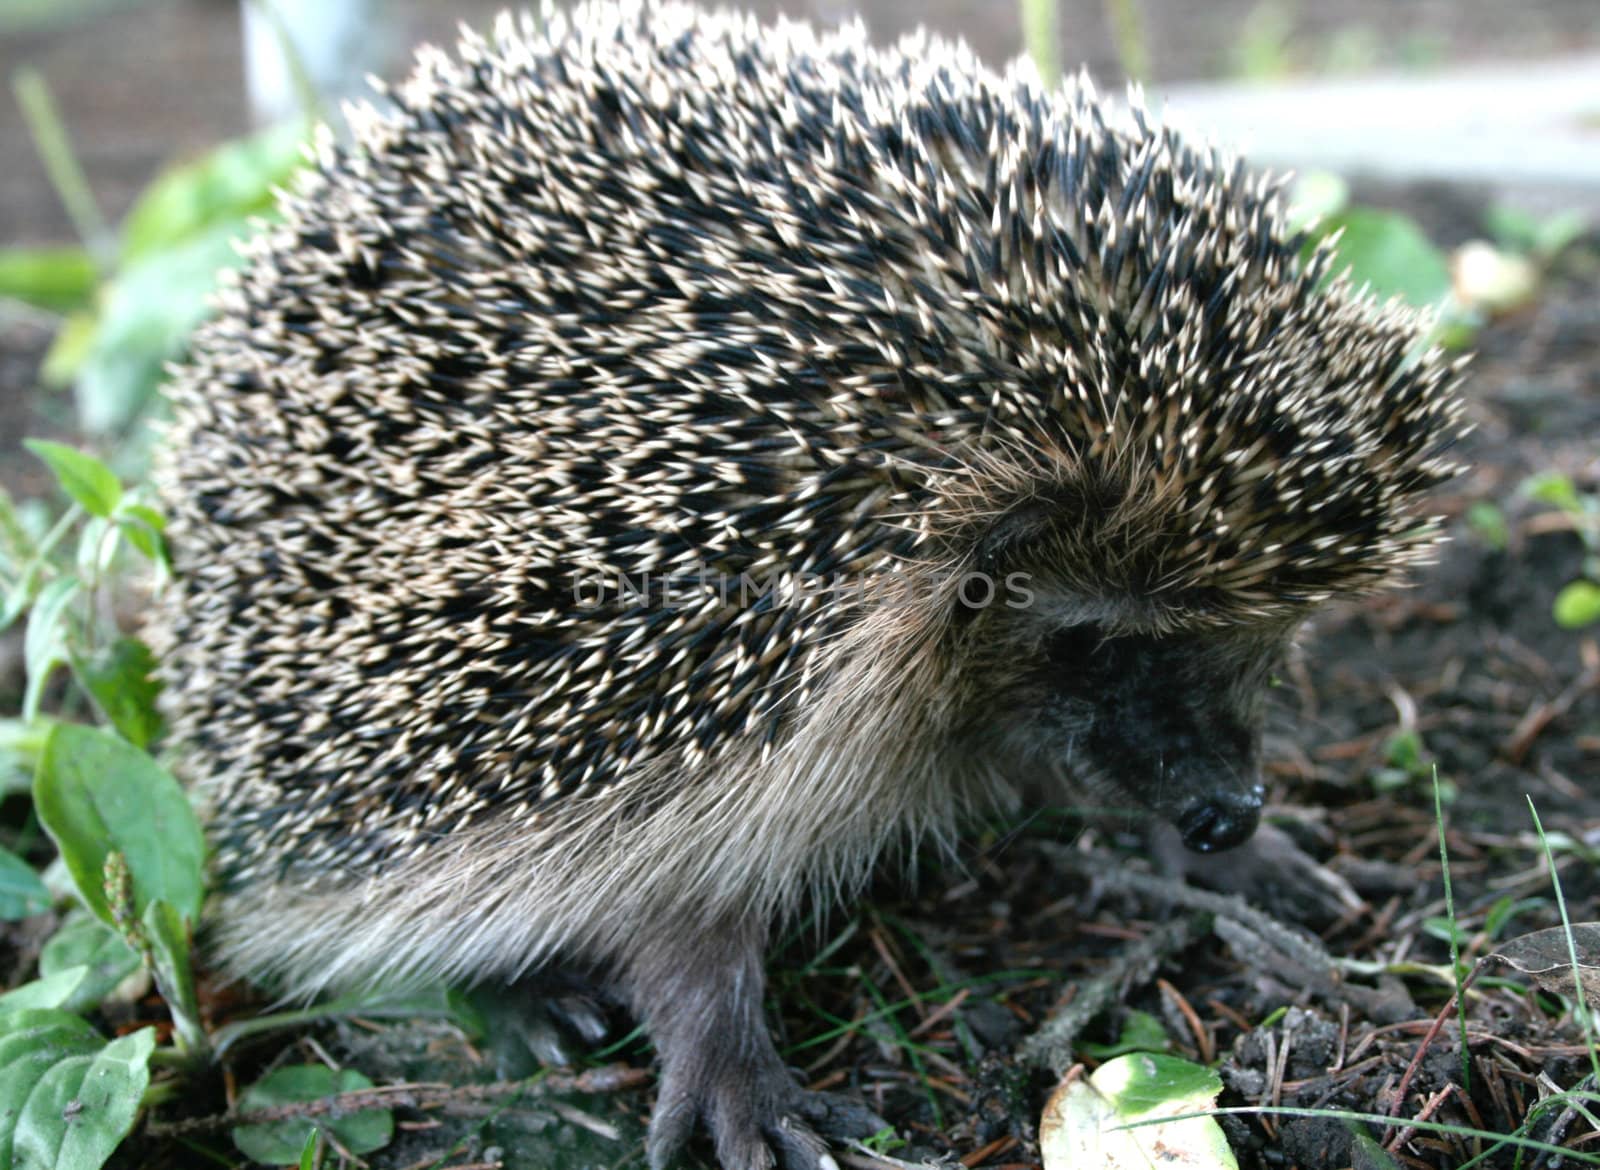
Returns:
point(919, 999)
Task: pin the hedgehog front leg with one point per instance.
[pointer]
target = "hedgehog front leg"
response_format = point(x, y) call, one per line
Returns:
point(699, 993)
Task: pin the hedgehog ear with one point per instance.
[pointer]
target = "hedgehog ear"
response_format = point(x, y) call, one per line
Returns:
point(997, 548)
point(1012, 531)
point(998, 545)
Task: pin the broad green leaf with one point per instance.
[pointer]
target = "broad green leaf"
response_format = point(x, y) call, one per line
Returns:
point(282, 1143)
point(1146, 1082)
point(1578, 605)
point(56, 990)
point(67, 1098)
point(1366, 1153)
point(121, 679)
point(45, 646)
point(95, 793)
point(83, 477)
point(86, 943)
point(149, 310)
point(231, 182)
point(1087, 1121)
point(1389, 253)
point(58, 280)
point(21, 892)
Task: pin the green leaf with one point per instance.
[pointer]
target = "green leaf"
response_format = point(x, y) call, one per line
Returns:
point(232, 182)
point(56, 990)
point(282, 1143)
point(1089, 1122)
point(45, 646)
point(58, 280)
point(22, 894)
point(121, 679)
point(1578, 605)
point(1389, 253)
point(83, 477)
point(149, 310)
point(85, 943)
point(144, 527)
point(67, 1098)
point(96, 793)
point(1551, 487)
point(1146, 1082)
point(1141, 1032)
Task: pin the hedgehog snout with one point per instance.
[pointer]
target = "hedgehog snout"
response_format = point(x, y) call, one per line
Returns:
point(1221, 821)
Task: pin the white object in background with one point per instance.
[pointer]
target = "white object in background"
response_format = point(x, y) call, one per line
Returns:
point(337, 43)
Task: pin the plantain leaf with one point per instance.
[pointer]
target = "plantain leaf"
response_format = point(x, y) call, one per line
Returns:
point(67, 1098)
point(282, 1143)
point(96, 794)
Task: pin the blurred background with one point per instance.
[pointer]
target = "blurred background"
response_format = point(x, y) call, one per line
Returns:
point(140, 82)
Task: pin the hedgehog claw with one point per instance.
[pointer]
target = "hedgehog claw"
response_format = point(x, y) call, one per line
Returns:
point(719, 1066)
point(741, 1138)
point(838, 1115)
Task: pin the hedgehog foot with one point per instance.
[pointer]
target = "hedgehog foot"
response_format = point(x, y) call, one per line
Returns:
point(718, 1063)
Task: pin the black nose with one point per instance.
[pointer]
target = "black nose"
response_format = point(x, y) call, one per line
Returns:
point(1221, 822)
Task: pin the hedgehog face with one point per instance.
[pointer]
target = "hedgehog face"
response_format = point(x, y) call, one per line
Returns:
point(1164, 723)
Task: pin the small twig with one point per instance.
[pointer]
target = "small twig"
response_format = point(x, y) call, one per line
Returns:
point(1406, 1133)
point(1202, 1039)
point(610, 1079)
point(1531, 725)
point(940, 1013)
point(1051, 1045)
point(1428, 1038)
point(863, 1157)
point(983, 1153)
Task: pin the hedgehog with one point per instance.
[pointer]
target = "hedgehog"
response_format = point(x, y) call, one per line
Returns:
point(663, 463)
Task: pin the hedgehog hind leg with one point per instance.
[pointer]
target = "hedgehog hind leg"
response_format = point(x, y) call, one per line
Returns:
point(550, 1016)
point(700, 995)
